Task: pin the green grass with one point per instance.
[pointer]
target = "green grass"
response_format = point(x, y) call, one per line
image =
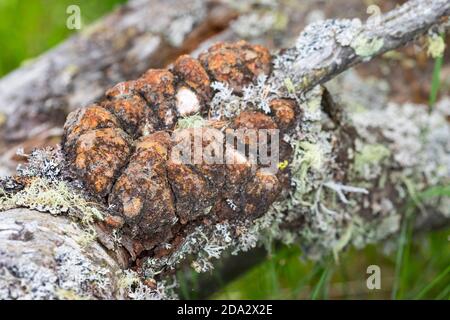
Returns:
point(436, 79)
point(30, 27)
point(435, 83)
point(417, 268)
point(424, 274)
point(402, 257)
point(443, 276)
point(320, 290)
point(404, 243)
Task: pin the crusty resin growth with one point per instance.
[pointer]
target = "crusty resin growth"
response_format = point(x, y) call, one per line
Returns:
point(284, 112)
point(237, 64)
point(122, 148)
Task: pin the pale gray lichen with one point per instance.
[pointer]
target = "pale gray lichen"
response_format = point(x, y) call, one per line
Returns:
point(348, 91)
point(176, 25)
point(254, 24)
point(131, 285)
point(405, 137)
point(317, 37)
point(75, 273)
point(46, 163)
point(207, 243)
point(72, 276)
point(411, 130)
point(204, 244)
point(47, 191)
point(180, 27)
point(368, 232)
point(368, 159)
point(315, 47)
point(227, 104)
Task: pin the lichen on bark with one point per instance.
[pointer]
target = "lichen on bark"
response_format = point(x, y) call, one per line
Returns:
point(338, 183)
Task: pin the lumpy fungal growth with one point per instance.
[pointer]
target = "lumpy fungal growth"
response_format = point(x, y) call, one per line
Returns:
point(237, 64)
point(122, 148)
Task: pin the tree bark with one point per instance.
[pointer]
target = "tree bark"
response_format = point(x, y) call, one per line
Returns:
point(323, 51)
point(370, 190)
point(41, 258)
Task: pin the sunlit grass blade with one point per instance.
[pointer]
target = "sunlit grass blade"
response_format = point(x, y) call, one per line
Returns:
point(399, 258)
point(445, 294)
point(402, 248)
point(183, 285)
point(401, 279)
point(436, 191)
point(323, 281)
point(302, 283)
point(273, 278)
point(436, 82)
point(433, 283)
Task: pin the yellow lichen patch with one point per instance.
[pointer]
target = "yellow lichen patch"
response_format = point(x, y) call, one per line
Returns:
point(128, 279)
point(194, 121)
point(289, 85)
point(69, 295)
point(2, 119)
point(88, 236)
point(370, 155)
point(283, 165)
point(436, 46)
point(367, 47)
point(54, 197)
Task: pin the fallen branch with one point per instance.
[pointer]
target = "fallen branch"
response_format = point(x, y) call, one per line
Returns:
point(372, 161)
point(325, 49)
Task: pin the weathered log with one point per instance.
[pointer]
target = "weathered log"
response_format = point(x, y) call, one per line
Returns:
point(324, 50)
point(333, 157)
point(40, 258)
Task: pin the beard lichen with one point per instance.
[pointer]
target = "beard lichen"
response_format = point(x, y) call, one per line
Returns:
point(44, 195)
point(45, 190)
point(337, 213)
point(193, 121)
point(227, 103)
point(56, 198)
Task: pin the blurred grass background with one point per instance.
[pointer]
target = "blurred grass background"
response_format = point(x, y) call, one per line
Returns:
point(412, 266)
point(30, 27)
